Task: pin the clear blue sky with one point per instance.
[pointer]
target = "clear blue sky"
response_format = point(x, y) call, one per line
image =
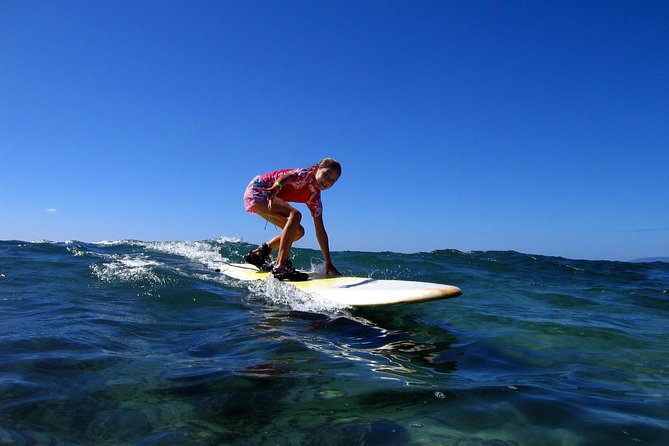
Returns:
point(535, 126)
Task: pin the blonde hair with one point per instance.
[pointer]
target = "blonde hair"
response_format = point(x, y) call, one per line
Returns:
point(329, 162)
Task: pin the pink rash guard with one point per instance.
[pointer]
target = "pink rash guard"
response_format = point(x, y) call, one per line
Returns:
point(301, 189)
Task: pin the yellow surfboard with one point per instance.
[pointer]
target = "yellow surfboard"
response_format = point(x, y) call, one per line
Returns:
point(355, 291)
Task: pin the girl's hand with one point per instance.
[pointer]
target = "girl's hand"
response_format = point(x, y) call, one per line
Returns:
point(271, 193)
point(276, 187)
point(331, 271)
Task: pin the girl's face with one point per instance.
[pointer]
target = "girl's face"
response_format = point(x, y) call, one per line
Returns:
point(326, 177)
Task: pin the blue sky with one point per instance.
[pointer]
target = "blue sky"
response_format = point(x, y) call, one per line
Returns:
point(540, 127)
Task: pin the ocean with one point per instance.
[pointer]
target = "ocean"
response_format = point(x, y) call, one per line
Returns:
point(144, 343)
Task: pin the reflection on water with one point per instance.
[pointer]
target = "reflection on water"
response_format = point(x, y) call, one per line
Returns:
point(391, 354)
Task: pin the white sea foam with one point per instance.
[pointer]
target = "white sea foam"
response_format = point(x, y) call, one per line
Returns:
point(228, 239)
point(79, 252)
point(202, 252)
point(117, 242)
point(128, 269)
point(283, 294)
point(139, 267)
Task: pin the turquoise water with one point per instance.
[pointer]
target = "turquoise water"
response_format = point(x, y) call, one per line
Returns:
point(144, 343)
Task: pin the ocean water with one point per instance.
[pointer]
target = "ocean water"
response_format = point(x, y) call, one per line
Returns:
point(144, 343)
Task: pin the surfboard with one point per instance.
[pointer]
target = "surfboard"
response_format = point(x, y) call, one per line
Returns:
point(354, 291)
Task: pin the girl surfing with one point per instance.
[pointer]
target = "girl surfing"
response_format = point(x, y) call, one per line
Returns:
point(268, 195)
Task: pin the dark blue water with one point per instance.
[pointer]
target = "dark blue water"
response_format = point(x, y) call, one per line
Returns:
point(144, 343)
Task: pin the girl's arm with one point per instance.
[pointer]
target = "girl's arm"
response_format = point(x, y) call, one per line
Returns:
point(276, 187)
point(322, 237)
point(280, 182)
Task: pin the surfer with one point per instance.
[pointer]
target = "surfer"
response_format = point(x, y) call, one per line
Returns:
point(268, 195)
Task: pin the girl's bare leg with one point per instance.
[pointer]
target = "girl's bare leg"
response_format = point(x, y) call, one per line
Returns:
point(286, 217)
